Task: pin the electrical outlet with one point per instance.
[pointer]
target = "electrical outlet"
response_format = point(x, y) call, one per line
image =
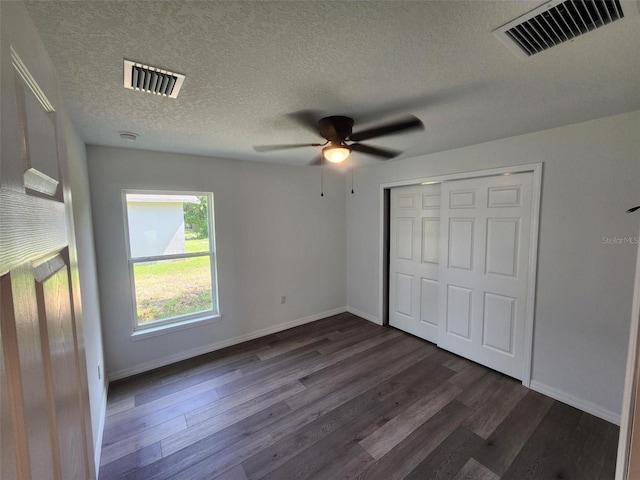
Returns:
point(283, 299)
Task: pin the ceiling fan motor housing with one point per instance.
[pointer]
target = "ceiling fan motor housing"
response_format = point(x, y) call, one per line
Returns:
point(336, 128)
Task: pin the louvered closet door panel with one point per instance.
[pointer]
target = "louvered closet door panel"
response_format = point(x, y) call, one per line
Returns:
point(485, 234)
point(413, 260)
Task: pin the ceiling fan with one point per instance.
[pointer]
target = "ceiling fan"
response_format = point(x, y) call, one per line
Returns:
point(340, 140)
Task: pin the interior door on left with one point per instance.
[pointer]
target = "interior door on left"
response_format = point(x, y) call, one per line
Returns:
point(44, 431)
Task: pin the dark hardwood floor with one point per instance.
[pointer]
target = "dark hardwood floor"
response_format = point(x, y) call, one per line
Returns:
point(342, 398)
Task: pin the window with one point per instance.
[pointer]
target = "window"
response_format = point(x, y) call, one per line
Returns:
point(172, 262)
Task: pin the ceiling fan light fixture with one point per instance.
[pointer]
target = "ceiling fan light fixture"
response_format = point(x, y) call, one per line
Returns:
point(336, 153)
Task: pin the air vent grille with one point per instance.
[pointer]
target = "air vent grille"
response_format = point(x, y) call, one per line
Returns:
point(152, 79)
point(560, 21)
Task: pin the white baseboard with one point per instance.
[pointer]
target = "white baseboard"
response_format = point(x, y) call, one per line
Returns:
point(97, 448)
point(366, 316)
point(128, 372)
point(576, 402)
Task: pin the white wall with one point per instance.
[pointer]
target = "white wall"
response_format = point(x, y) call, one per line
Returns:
point(275, 236)
point(81, 204)
point(584, 292)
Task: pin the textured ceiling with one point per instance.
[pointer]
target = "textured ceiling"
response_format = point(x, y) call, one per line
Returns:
point(249, 64)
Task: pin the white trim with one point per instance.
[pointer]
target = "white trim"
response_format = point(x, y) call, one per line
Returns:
point(169, 256)
point(30, 81)
point(366, 316)
point(536, 168)
point(40, 182)
point(536, 193)
point(576, 402)
point(166, 328)
point(630, 383)
point(97, 448)
point(127, 372)
point(489, 172)
point(161, 198)
point(382, 249)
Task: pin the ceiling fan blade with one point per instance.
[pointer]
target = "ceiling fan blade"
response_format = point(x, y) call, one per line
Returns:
point(411, 123)
point(271, 148)
point(378, 152)
point(307, 119)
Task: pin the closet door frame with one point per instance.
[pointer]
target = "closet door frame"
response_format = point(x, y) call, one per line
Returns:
point(383, 261)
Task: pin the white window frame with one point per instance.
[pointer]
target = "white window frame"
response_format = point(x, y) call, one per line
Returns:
point(180, 321)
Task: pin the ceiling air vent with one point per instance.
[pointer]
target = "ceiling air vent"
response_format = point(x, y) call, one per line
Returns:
point(558, 21)
point(152, 79)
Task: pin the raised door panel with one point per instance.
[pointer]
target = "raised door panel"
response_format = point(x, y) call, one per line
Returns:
point(504, 196)
point(14, 460)
point(8, 468)
point(58, 341)
point(461, 243)
point(499, 322)
point(502, 246)
point(405, 202)
point(430, 240)
point(431, 200)
point(459, 309)
point(404, 290)
point(429, 301)
point(29, 398)
point(404, 238)
point(461, 198)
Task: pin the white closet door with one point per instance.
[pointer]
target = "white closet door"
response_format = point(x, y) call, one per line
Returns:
point(485, 247)
point(413, 260)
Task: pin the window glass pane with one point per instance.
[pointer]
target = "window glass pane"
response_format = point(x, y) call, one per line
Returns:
point(169, 288)
point(196, 224)
point(167, 224)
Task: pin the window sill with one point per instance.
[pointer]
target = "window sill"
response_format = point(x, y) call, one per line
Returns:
point(173, 327)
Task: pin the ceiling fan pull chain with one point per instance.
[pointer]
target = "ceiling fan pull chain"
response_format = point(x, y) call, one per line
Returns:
point(352, 168)
point(322, 176)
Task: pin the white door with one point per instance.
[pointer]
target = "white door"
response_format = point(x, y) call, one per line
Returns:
point(413, 260)
point(484, 269)
point(45, 430)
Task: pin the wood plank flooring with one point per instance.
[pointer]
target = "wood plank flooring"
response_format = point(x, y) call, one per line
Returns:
point(342, 398)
